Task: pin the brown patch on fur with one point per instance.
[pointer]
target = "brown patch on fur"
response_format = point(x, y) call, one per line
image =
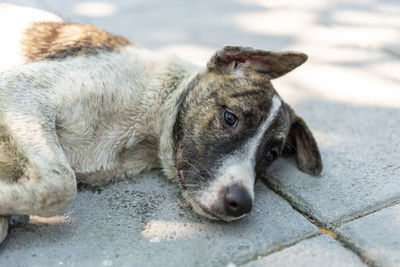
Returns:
point(55, 40)
point(237, 82)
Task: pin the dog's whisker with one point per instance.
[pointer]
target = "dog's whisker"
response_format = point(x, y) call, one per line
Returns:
point(203, 167)
point(197, 175)
point(194, 167)
point(192, 186)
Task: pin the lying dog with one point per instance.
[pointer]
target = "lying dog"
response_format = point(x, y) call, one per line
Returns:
point(78, 104)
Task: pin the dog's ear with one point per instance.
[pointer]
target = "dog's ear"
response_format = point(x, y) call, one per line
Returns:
point(301, 142)
point(242, 61)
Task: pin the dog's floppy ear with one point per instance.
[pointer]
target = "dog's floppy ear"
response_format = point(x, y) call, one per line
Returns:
point(301, 142)
point(243, 60)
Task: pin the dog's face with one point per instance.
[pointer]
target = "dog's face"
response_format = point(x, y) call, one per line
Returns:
point(231, 125)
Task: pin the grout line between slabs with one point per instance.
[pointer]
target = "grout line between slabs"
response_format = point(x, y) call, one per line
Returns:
point(348, 245)
point(385, 205)
point(284, 246)
point(299, 207)
point(322, 225)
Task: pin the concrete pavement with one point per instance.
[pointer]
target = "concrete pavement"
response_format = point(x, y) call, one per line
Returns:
point(348, 93)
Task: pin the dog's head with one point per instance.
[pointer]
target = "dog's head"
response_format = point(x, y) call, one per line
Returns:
point(231, 125)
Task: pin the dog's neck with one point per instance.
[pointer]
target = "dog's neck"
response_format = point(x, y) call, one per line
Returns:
point(179, 75)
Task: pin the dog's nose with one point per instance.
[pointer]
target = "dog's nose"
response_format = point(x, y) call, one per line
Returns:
point(237, 201)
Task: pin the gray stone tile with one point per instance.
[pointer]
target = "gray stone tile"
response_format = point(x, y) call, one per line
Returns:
point(360, 151)
point(141, 223)
point(318, 251)
point(376, 236)
point(348, 93)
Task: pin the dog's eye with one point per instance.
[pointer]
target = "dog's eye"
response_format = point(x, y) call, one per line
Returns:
point(230, 119)
point(272, 155)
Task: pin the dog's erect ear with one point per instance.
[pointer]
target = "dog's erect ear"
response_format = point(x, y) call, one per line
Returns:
point(242, 60)
point(301, 142)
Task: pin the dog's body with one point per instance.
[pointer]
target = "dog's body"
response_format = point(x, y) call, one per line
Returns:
point(80, 105)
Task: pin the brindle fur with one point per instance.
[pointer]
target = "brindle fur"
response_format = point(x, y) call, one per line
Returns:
point(202, 127)
point(238, 80)
point(205, 138)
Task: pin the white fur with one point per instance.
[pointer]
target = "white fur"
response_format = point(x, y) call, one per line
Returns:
point(102, 112)
point(238, 168)
point(111, 113)
point(85, 118)
point(14, 20)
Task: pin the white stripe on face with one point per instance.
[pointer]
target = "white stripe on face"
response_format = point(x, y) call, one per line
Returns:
point(239, 166)
point(255, 141)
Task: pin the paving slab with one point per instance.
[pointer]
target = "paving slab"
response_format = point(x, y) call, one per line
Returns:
point(376, 236)
point(322, 250)
point(360, 151)
point(349, 94)
point(142, 223)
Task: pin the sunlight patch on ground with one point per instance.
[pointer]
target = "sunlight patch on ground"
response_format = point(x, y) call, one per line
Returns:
point(350, 86)
point(194, 53)
point(341, 54)
point(95, 9)
point(169, 35)
point(388, 70)
point(159, 230)
point(55, 220)
point(349, 35)
point(298, 4)
point(275, 22)
point(290, 90)
point(365, 18)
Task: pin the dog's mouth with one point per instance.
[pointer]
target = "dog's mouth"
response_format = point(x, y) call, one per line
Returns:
point(201, 210)
point(198, 207)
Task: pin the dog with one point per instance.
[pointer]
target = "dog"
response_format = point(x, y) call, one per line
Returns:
point(80, 105)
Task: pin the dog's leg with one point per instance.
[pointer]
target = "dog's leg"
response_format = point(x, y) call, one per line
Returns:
point(47, 185)
point(3, 227)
